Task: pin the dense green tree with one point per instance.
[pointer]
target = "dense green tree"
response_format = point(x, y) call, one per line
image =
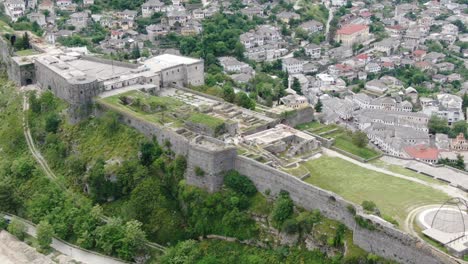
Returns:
point(239, 183)
point(52, 123)
point(228, 93)
point(136, 52)
point(438, 124)
point(282, 209)
point(296, 86)
point(133, 241)
point(100, 187)
point(22, 167)
point(109, 236)
point(459, 127)
point(17, 228)
point(8, 198)
point(359, 139)
point(186, 252)
point(149, 152)
point(242, 99)
point(290, 226)
point(45, 232)
point(318, 106)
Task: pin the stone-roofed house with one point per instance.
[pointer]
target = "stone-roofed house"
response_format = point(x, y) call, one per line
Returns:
point(434, 57)
point(376, 86)
point(447, 106)
point(232, 65)
point(311, 26)
point(286, 16)
point(336, 106)
point(177, 16)
point(14, 9)
point(37, 17)
point(156, 30)
point(150, 7)
point(372, 67)
point(387, 46)
point(79, 20)
point(294, 101)
point(252, 11)
point(127, 14)
point(313, 50)
point(292, 65)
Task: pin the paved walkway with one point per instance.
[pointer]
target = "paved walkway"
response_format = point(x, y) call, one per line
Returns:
point(451, 191)
point(447, 174)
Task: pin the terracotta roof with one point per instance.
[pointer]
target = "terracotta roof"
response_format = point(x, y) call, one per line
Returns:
point(366, 14)
point(422, 152)
point(419, 53)
point(362, 56)
point(351, 29)
point(388, 64)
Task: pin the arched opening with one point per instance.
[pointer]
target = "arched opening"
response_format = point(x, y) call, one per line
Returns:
point(28, 81)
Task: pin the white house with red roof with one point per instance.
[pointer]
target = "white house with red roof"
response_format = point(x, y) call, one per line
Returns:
point(352, 34)
point(423, 152)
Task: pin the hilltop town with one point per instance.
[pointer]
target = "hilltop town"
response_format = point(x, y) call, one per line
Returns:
point(352, 114)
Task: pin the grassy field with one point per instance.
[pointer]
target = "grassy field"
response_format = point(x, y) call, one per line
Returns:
point(393, 196)
point(344, 142)
point(206, 120)
point(166, 105)
point(341, 136)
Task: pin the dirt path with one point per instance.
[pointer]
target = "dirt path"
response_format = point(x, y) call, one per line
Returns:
point(45, 166)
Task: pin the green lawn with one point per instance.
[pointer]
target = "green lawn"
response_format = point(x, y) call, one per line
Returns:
point(26, 52)
point(310, 125)
point(5, 28)
point(167, 106)
point(206, 120)
point(393, 196)
point(344, 142)
point(341, 136)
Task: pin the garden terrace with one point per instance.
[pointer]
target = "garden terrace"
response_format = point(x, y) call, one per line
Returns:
point(246, 120)
point(341, 136)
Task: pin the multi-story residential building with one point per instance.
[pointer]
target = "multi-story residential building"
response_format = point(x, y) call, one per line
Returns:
point(292, 65)
point(313, 50)
point(352, 34)
point(232, 65)
point(459, 143)
point(15, 9)
point(150, 7)
point(79, 20)
point(446, 106)
point(286, 16)
point(312, 26)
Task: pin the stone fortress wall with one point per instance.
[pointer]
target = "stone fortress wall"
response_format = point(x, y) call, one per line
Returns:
point(214, 159)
